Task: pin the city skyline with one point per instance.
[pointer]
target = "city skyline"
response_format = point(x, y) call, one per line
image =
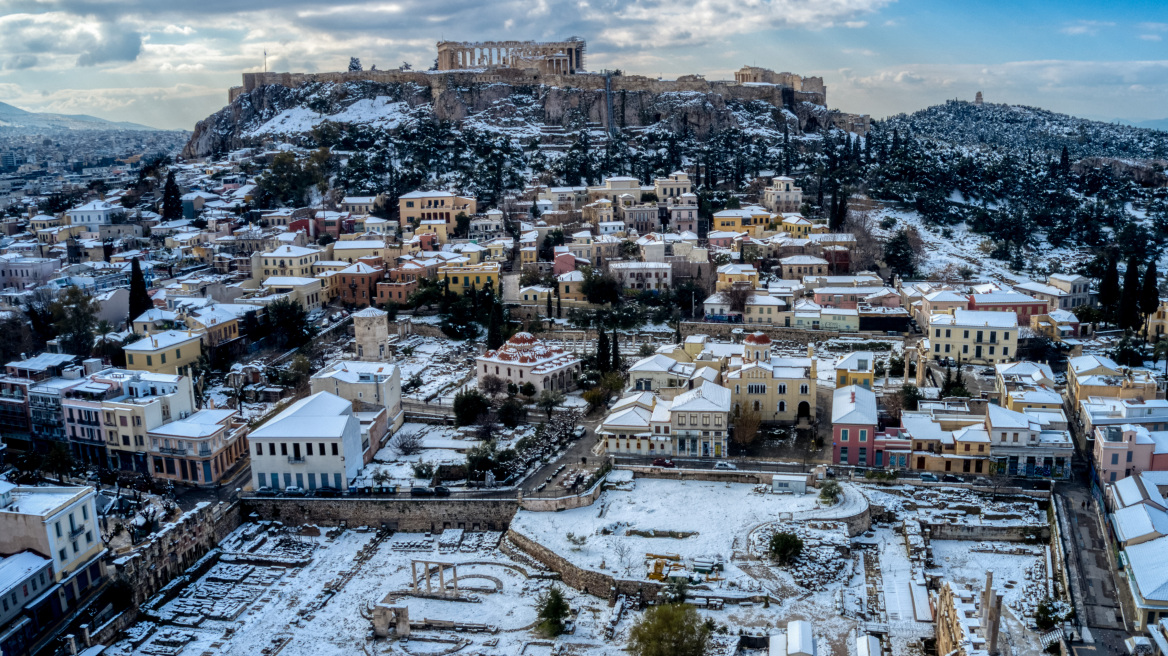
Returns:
point(170, 66)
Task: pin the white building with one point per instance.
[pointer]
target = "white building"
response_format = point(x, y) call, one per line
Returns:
point(58, 522)
point(525, 359)
point(377, 383)
point(94, 213)
point(315, 443)
point(643, 275)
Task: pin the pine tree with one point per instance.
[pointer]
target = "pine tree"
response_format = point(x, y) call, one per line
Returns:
point(1129, 300)
point(1109, 290)
point(140, 300)
point(1149, 291)
point(1065, 163)
point(603, 354)
point(559, 303)
point(354, 64)
point(171, 199)
point(616, 359)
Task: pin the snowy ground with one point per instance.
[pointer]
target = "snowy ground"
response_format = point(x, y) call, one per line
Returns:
point(442, 364)
point(694, 520)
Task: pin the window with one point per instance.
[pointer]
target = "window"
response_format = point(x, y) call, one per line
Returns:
point(85, 509)
point(310, 449)
point(283, 448)
point(334, 448)
point(782, 389)
point(844, 435)
point(1114, 459)
point(756, 388)
point(259, 449)
point(803, 388)
point(271, 448)
point(863, 434)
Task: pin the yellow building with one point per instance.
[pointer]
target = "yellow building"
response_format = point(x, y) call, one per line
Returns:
point(731, 274)
point(418, 206)
point(974, 336)
point(572, 286)
point(170, 352)
point(433, 227)
point(857, 368)
point(461, 278)
point(354, 249)
point(295, 261)
point(797, 226)
point(777, 389)
point(1097, 376)
point(1158, 322)
point(528, 255)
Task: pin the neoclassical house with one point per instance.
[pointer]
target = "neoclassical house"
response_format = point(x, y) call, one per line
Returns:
point(525, 359)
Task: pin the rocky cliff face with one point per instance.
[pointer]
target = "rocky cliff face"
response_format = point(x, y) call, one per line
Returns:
point(520, 110)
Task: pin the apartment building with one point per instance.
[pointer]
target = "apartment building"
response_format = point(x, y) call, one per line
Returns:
point(654, 276)
point(417, 206)
point(59, 524)
point(168, 352)
point(108, 416)
point(198, 449)
point(776, 389)
point(462, 278)
point(974, 336)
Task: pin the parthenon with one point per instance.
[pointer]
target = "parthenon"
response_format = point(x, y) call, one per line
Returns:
point(553, 58)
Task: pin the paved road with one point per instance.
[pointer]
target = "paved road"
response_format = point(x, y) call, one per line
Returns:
point(1097, 583)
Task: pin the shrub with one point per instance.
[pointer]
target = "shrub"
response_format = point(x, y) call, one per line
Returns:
point(830, 492)
point(468, 405)
point(670, 630)
point(784, 548)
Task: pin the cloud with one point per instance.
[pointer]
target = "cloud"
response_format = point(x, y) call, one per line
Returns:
point(1150, 37)
point(864, 52)
point(20, 62)
point(1085, 27)
point(1062, 85)
point(855, 24)
point(1154, 27)
point(59, 40)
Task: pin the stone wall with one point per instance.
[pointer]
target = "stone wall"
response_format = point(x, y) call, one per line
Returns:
point(992, 532)
point(412, 515)
point(152, 564)
point(681, 474)
point(568, 502)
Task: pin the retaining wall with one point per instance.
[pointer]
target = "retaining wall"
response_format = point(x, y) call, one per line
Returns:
point(681, 474)
point(411, 515)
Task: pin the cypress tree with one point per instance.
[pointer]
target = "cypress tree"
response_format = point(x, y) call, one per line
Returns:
point(616, 360)
point(549, 305)
point(1109, 289)
point(1149, 292)
point(171, 199)
point(603, 356)
point(139, 299)
point(494, 329)
point(1129, 301)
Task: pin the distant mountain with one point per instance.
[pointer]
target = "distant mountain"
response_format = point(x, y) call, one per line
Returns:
point(1020, 128)
point(14, 117)
point(1157, 124)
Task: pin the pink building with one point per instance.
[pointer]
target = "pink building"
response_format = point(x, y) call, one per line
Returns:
point(1020, 304)
point(723, 238)
point(1128, 449)
point(855, 437)
point(565, 262)
point(849, 298)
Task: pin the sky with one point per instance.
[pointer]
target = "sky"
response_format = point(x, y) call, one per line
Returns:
point(168, 63)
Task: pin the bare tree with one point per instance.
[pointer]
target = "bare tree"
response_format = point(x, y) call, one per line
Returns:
point(407, 443)
point(868, 248)
point(894, 404)
point(623, 551)
point(492, 385)
point(739, 296)
point(746, 423)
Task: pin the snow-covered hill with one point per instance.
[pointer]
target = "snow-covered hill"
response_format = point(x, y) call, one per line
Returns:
point(1021, 129)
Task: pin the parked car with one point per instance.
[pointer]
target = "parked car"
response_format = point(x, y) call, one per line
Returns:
point(929, 478)
point(442, 491)
point(722, 464)
point(982, 481)
point(326, 492)
point(663, 462)
point(421, 492)
point(293, 491)
point(265, 491)
point(579, 432)
point(950, 478)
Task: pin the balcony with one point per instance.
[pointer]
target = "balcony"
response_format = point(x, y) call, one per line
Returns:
point(76, 530)
point(295, 460)
point(205, 451)
point(169, 451)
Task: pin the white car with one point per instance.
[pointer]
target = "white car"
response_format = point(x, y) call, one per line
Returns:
point(722, 464)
